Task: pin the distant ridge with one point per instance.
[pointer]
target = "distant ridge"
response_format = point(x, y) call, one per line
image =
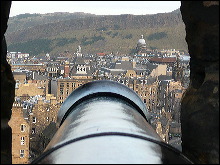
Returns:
point(56, 32)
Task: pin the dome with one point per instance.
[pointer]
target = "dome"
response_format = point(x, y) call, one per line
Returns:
point(141, 41)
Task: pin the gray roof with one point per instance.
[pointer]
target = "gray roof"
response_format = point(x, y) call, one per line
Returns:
point(79, 60)
point(125, 65)
point(150, 80)
point(164, 83)
point(40, 77)
point(117, 72)
point(18, 73)
point(164, 77)
point(150, 66)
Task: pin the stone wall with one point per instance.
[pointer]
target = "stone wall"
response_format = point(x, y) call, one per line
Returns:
point(7, 89)
point(200, 105)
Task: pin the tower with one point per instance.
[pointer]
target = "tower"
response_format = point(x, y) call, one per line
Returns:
point(66, 69)
point(20, 134)
point(141, 46)
point(79, 53)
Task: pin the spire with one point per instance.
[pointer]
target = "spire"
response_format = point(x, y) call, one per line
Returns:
point(79, 49)
point(78, 53)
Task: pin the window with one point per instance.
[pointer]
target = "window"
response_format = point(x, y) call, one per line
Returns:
point(73, 85)
point(33, 130)
point(47, 118)
point(22, 140)
point(22, 127)
point(61, 91)
point(21, 153)
point(34, 119)
point(61, 85)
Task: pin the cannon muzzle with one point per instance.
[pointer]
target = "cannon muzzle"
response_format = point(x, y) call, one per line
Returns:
point(105, 122)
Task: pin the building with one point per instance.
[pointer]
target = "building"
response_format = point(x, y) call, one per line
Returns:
point(20, 77)
point(31, 67)
point(80, 69)
point(66, 86)
point(28, 122)
point(141, 47)
point(41, 115)
point(20, 134)
point(30, 89)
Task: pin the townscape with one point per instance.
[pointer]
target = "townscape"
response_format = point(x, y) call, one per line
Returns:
point(159, 77)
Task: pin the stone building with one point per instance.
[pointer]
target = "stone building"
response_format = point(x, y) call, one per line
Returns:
point(20, 77)
point(31, 89)
point(53, 69)
point(141, 46)
point(20, 135)
point(41, 116)
point(28, 122)
point(66, 86)
point(33, 67)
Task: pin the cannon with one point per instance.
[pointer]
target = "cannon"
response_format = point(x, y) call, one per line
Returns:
point(105, 122)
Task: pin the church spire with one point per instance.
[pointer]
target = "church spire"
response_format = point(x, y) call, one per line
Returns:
point(78, 53)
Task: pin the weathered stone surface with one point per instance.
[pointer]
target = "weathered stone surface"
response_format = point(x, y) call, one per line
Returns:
point(7, 89)
point(200, 105)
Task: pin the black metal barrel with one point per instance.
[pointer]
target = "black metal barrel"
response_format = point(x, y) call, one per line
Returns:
point(105, 122)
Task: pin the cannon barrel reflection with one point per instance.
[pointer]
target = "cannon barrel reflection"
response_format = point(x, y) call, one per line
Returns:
point(105, 122)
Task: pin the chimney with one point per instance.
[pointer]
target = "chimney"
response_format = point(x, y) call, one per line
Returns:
point(66, 69)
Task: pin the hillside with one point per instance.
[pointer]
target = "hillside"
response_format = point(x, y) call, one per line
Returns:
point(24, 21)
point(57, 32)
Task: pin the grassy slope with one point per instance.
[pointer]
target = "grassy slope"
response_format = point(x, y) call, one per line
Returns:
point(53, 39)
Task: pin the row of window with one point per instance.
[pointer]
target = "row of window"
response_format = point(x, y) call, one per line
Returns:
point(73, 85)
point(23, 126)
point(34, 119)
point(67, 90)
point(81, 69)
point(52, 69)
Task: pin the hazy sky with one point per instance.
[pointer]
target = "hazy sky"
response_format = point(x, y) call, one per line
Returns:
point(94, 7)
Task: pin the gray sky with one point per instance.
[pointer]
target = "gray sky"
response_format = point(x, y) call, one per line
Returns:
point(94, 7)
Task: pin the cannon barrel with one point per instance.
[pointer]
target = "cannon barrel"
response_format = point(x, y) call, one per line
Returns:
point(105, 122)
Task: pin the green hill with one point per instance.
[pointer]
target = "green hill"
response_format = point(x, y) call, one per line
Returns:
point(115, 33)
